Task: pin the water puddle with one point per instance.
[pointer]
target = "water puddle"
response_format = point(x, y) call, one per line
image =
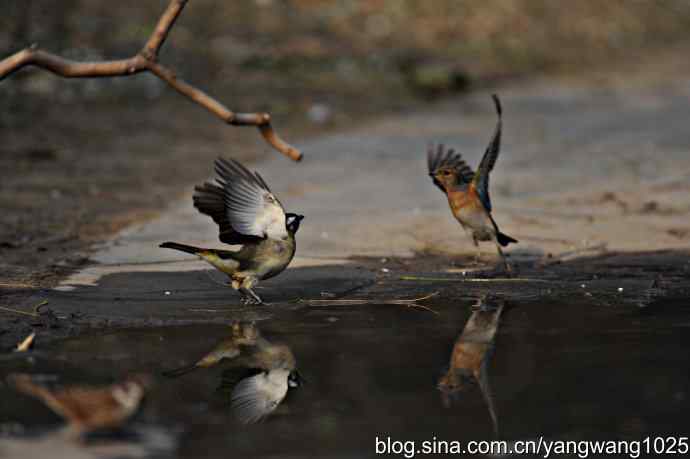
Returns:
point(561, 370)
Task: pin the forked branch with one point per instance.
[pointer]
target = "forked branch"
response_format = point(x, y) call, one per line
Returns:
point(146, 60)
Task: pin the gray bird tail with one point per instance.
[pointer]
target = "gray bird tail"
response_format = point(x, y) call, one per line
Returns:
point(182, 247)
point(180, 371)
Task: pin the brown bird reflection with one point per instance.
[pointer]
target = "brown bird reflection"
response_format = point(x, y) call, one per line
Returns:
point(88, 408)
point(471, 354)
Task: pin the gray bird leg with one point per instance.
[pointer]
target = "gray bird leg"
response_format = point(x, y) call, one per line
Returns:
point(250, 296)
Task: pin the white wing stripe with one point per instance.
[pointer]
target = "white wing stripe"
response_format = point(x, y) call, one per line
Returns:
point(251, 208)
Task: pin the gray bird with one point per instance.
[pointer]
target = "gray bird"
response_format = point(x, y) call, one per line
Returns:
point(272, 370)
point(266, 371)
point(257, 396)
point(247, 213)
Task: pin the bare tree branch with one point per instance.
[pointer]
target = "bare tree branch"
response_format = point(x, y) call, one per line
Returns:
point(160, 33)
point(146, 61)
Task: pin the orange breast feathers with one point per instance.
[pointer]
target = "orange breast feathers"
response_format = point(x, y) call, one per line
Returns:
point(465, 200)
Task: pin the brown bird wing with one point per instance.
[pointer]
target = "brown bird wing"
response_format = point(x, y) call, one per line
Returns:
point(481, 178)
point(440, 157)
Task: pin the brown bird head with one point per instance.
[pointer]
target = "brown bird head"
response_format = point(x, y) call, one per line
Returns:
point(452, 383)
point(447, 168)
point(131, 391)
point(447, 176)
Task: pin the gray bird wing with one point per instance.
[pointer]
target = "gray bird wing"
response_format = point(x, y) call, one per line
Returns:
point(481, 178)
point(256, 397)
point(209, 199)
point(440, 157)
point(250, 207)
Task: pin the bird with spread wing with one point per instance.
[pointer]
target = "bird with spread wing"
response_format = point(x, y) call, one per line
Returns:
point(247, 213)
point(258, 372)
point(468, 191)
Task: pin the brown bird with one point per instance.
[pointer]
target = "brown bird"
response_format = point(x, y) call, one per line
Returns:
point(471, 354)
point(468, 191)
point(88, 408)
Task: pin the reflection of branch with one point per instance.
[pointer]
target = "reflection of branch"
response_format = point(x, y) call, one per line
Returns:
point(146, 60)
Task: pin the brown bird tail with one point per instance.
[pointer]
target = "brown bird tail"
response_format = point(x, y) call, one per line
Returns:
point(182, 247)
point(504, 239)
point(180, 371)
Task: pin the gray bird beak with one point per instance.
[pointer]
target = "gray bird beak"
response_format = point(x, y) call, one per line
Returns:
point(295, 379)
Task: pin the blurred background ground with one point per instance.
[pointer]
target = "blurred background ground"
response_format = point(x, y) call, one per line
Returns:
point(81, 159)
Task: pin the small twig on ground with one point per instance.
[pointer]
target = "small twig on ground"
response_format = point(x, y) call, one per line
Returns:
point(36, 311)
point(17, 311)
point(493, 279)
point(410, 303)
point(26, 344)
point(146, 60)
point(37, 308)
point(16, 285)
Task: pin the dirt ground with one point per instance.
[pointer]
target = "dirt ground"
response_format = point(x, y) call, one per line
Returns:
point(81, 160)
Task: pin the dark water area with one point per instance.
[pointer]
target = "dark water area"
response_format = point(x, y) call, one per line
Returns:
point(559, 369)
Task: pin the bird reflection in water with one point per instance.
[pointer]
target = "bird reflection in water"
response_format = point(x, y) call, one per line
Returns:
point(260, 374)
point(471, 355)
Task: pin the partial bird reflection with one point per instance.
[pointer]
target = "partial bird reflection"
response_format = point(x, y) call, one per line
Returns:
point(243, 337)
point(471, 355)
point(260, 375)
point(88, 409)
